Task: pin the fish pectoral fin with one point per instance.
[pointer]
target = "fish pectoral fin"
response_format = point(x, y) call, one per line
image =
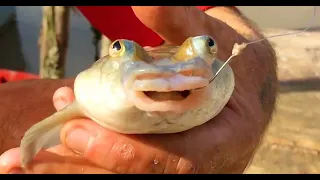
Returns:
point(46, 133)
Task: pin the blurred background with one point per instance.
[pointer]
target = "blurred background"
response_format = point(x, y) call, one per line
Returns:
point(292, 142)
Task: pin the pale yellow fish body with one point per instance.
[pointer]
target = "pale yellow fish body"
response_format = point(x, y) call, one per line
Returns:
point(129, 92)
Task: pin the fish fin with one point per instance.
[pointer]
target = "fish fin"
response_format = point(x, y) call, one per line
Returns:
point(46, 133)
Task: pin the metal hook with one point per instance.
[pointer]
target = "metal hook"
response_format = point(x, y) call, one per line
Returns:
point(237, 49)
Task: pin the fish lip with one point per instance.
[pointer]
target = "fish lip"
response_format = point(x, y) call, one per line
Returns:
point(169, 87)
point(164, 69)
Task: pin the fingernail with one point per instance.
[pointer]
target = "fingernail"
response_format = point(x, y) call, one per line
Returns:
point(16, 171)
point(78, 139)
point(60, 101)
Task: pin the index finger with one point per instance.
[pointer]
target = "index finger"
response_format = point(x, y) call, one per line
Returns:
point(123, 153)
point(57, 160)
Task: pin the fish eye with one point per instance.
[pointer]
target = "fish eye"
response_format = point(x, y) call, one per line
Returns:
point(210, 42)
point(116, 46)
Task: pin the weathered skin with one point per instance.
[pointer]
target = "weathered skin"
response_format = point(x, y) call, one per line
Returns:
point(130, 92)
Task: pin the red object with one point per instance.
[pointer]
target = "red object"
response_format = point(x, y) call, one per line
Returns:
point(9, 75)
point(204, 8)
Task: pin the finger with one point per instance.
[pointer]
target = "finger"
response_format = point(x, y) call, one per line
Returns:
point(173, 23)
point(49, 162)
point(63, 97)
point(10, 163)
point(122, 153)
point(61, 160)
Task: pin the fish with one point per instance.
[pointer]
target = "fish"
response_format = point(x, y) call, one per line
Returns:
point(133, 90)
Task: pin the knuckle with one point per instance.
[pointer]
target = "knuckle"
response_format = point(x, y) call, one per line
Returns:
point(185, 166)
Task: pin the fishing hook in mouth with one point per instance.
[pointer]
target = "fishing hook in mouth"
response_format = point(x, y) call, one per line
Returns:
point(218, 72)
point(221, 68)
point(237, 49)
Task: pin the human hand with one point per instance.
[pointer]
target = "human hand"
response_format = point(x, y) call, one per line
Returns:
point(225, 144)
point(60, 158)
point(213, 147)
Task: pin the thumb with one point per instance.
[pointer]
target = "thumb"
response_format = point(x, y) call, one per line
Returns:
point(63, 97)
point(173, 23)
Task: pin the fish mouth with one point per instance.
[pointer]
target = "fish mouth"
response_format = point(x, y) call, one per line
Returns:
point(166, 86)
point(152, 94)
point(167, 96)
point(178, 101)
